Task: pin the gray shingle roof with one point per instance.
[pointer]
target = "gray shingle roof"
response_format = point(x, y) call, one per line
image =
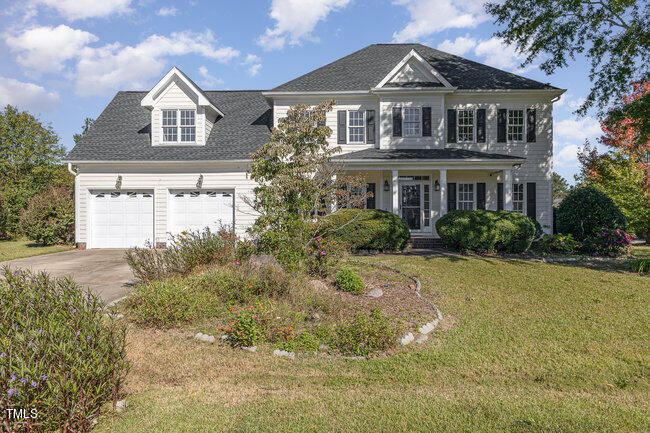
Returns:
point(422, 154)
point(122, 131)
point(364, 69)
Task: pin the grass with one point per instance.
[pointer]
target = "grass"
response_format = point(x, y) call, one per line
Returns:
point(524, 346)
point(17, 249)
point(641, 251)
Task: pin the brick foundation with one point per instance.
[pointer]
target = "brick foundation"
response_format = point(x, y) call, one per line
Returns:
point(81, 245)
point(161, 245)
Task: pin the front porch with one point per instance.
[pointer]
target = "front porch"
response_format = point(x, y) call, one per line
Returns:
point(421, 191)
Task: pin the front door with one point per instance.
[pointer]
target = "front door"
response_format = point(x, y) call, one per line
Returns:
point(411, 205)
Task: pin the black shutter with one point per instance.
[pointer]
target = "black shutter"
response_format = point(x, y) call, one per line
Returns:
point(426, 121)
point(499, 196)
point(502, 116)
point(370, 201)
point(342, 127)
point(451, 126)
point(531, 200)
point(370, 126)
point(531, 125)
point(480, 195)
point(480, 125)
point(397, 121)
point(451, 196)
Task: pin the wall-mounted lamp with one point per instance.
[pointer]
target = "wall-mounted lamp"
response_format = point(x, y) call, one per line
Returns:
point(436, 186)
point(386, 186)
point(199, 182)
point(118, 182)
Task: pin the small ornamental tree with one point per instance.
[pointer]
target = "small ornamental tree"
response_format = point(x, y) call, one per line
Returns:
point(297, 184)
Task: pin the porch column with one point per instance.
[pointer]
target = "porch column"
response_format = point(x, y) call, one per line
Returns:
point(443, 191)
point(379, 191)
point(333, 204)
point(507, 189)
point(395, 190)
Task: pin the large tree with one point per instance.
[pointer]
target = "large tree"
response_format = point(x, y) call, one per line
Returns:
point(560, 188)
point(614, 35)
point(30, 160)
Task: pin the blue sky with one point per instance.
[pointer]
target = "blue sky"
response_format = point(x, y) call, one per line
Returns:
point(65, 59)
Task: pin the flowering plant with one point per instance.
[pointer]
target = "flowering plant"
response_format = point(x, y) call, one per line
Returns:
point(557, 243)
point(611, 242)
point(324, 256)
point(244, 330)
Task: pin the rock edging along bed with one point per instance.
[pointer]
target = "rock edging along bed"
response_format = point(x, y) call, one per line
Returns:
point(425, 329)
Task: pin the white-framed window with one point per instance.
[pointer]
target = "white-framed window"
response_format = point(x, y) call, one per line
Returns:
point(356, 126)
point(515, 125)
point(412, 122)
point(518, 197)
point(174, 131)
point(465, 125)
point(465, 196)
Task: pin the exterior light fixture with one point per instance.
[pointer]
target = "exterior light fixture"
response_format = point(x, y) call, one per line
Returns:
point(436, 186)
point(386, 186)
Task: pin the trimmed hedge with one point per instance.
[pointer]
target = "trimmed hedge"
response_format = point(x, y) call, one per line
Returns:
point(49, 217)
point(586, 211)
point(366, 229)
point(486, 231)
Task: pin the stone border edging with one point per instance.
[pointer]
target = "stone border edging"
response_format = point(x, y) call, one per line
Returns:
point(424, 329)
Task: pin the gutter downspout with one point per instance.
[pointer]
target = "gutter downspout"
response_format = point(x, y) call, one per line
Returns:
point(81, 245)
point(72, 172)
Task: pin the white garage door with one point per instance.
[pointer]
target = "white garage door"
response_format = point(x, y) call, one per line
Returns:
point(196, 210)
point(121, 219)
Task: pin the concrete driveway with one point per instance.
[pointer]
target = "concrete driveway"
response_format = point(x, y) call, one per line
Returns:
point(104, 272)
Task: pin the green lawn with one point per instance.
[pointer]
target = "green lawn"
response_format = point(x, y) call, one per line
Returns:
point(16, 249)
point(524, 346)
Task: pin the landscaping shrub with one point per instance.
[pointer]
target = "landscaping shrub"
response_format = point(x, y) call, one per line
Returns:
point(481, 230)
point(286, 248)
point(586, 211)
point(608, 243)
point(348, 281)
point(564, 244)
point(324, 256)
point(186, 252)
point(168, 303)
point(244, 330)
point(240, 284)
point(365, 334)
point(49, 217)
point(58, 353)
point(366, 229)
point(640, 266)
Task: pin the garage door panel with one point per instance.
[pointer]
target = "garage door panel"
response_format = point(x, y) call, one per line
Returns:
point(196, 210)
point(121, 219)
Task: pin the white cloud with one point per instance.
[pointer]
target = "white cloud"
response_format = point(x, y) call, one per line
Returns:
point(496, 53)
point(111, 67)
point(167, 11)
point(208, 79)
point(254, 63)
point(432, 16)
point(459, 47)
point(295, 20)
point(565, 156)
point(27, 96)
point(80, 9)
point(45, 49)
point(586, 128)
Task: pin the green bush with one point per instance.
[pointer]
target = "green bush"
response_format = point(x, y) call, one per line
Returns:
point(365, 334)
point(240, 284)
point(49, 217)
point(640, 266)
point(586, 211)
point(366, 229)
point(564, 244)
point(481, 231)
point(244, 330)
point(608, 243)
point(187, 251)
point(348, 281)
point(58, 353)
point(167, 303)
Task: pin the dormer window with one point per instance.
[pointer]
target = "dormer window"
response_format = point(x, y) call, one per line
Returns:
point(174, 131)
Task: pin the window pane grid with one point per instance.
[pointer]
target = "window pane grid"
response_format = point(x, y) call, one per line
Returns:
point(356, 127)
point(465, 122)
point(518, 197)
point(187, 117)
point(515, 125)
point(172, 128)
point(466, 196)
point(412, 122)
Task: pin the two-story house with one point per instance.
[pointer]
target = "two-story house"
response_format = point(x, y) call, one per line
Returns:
point(429, 131)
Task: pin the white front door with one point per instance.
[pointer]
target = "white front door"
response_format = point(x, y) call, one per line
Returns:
point(121, 219)
point(200, 209)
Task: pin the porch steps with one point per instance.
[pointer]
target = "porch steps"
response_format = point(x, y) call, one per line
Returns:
point(425, 243)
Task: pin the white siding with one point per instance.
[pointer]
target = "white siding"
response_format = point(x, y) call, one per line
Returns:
point(435, 101)
point(177, 96)
point(161, 178)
